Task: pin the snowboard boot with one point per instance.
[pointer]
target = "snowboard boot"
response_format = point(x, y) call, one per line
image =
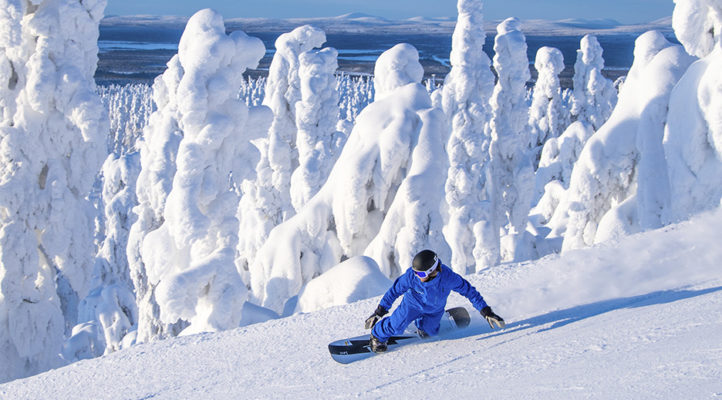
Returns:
point(422, 333)
point(377, 346)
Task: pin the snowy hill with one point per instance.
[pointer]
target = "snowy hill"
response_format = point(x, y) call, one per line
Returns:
point(633, 319)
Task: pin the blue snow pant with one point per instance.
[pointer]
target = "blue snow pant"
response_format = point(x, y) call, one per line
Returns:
point(404, 314)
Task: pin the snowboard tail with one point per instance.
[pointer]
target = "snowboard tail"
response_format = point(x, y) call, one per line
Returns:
point(345, 351)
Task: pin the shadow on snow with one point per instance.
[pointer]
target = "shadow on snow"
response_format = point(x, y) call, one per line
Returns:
point(561, 318)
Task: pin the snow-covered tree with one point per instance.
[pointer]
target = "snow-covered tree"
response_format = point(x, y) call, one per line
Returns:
point(253, 90)
point(512, 168)
point(129, 108)
point(471, 230)
point(356, 92)
point(379, 158)
point(548, 117)
point(188, 259)
point(52, 144)
point(267, 201)
point(317, 115)
point(558, 157)
point(283, 92)
point(594, 96)
point(693, 135)
point(158, 149)
point(619, 185)
point(110, 306)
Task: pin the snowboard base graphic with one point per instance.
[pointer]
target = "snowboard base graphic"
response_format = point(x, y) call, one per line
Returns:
point(356, 348)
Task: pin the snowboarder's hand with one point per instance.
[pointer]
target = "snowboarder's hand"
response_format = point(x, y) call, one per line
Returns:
point(375, 317)
point(492, 318)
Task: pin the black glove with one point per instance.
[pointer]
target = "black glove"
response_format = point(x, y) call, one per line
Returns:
point(492, 318)
point(375, 317)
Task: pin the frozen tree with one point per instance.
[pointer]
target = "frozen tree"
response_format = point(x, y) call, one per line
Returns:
point(317, 115)
point(356, 93)
point(548, 117)
point(158, 149)
point(414, 221)
point(283, 91)
point(698, 25)
point(471, 230)
point(129, 108)
point(619, 185)
point(111, 304)
point(52, 144)
point(109, 311)
point(267, 201)
point(558, 157)
point(594, 96)
point(253, 91)
point(190, 278)
point(348, 211)
point(693, 135)
point(512, 168)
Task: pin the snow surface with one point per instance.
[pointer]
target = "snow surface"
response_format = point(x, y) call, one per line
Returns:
point(637, 319)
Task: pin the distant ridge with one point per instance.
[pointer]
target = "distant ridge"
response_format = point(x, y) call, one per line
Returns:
point(365, 23)
point(357, 16)
point(589, 23)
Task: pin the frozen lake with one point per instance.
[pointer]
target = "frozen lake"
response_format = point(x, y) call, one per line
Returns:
point(139, 53)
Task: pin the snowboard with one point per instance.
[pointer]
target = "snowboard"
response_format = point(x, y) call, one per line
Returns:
point(356, 348)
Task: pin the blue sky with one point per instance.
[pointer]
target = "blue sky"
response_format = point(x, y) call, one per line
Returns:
point(625, 11)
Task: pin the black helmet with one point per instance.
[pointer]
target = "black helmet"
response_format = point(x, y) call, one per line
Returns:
point(424, 260)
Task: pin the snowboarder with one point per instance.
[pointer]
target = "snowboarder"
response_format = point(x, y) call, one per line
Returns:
point(425, 286)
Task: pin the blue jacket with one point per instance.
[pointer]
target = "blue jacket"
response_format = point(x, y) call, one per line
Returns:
point(431, 296)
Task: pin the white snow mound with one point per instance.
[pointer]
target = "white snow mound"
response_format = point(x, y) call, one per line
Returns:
point(355, 279)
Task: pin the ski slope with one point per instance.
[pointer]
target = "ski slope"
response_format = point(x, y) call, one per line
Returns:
point(637, 319)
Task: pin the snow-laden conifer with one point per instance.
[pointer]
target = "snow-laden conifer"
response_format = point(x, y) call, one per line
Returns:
point(619, 185)
point(693, 135)
point(129, 109)
point(348, 211)
point(548, 116)
point(158, 149)
point(283, 92)
point(557, 161)
point(593, 96)
point(266, 202)
point(110, 306)
point(197, 145)
point(52, 144)
point(512, 168)
point(317, 114)
point(471, 230)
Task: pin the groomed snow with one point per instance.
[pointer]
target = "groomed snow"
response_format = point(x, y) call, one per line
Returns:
point(638, 319)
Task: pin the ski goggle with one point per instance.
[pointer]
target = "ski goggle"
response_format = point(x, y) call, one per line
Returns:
point(424, 274)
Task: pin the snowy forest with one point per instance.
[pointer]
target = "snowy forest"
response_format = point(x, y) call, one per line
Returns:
point(212, 200)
